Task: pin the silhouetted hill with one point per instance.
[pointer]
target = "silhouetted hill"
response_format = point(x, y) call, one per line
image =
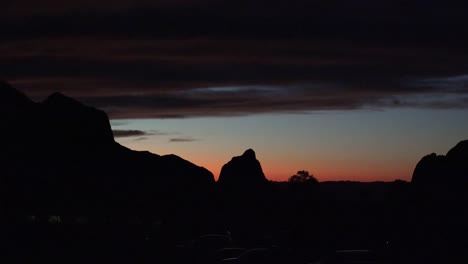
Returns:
point(12, 101)
point(437, 205)
point(15, 110)
point(451, 169)
point(243, 171)
point(459, 152)
point(59, 156)
point(458, 158)
point(431, 169)
point(67, 117)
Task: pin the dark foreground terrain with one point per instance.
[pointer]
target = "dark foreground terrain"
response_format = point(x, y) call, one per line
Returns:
point(342, 222)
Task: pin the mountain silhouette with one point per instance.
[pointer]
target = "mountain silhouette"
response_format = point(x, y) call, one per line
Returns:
point(69, 118)
point(451, 169)
point(59, 156)
point(12, 100)
point(437, 205)
point(458, 156)
point(243, 171)
point(430, 169)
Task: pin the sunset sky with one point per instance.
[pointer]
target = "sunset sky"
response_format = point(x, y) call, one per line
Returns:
point(348, 90)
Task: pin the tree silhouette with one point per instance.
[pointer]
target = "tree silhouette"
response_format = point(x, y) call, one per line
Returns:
point(302, 176)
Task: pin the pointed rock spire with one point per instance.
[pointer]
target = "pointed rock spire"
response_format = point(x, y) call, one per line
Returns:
point(242, 171)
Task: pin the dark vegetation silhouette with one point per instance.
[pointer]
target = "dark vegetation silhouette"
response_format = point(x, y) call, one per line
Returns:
point(70, 194)
point(304, 177)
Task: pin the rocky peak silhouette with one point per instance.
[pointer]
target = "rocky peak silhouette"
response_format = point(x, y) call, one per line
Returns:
point(242, 170)
point(61, 156)
point(429, 169)
point(12, 100)
point(72, 121)
point(61, 101)
point(249, 154)
point(18, 117)
point(451, 169)
point(459, 152)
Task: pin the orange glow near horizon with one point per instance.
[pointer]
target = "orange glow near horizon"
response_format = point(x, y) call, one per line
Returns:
point(337, 173)
point(274, 170)
point(333, 146)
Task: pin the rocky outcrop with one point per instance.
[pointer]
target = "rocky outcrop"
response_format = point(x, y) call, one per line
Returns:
point(459, 153)
point(451, 169)
point(59, 155)
point(71, 121)
point(242, 171)
point(430, 169)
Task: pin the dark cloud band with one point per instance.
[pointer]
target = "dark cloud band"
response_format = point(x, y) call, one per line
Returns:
point(128, 133)
point(169, 59)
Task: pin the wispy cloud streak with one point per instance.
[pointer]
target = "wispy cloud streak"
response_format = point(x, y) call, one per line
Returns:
point(182, 139)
